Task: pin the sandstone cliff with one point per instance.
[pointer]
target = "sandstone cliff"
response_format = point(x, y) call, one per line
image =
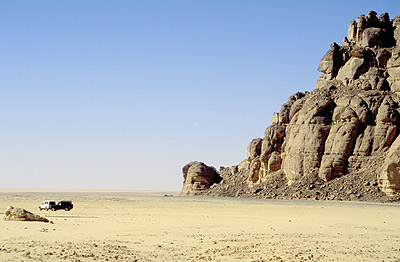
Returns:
point(340, 141)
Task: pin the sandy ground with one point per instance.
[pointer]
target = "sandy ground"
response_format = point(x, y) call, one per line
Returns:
point(148, 226)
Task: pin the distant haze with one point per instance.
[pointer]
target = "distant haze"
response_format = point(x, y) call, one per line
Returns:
point(122, 94)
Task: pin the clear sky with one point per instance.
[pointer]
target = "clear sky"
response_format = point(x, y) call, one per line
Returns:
point(122, 94)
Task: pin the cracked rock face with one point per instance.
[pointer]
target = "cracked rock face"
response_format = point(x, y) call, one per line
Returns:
point(347, 126)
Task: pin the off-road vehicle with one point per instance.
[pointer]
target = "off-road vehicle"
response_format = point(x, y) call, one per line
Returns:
point(50, 204)
point(64, 204)
point(47, 204)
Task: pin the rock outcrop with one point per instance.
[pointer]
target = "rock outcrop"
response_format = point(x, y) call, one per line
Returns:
point(197, 177)
point(340, 141)
point(20, 214)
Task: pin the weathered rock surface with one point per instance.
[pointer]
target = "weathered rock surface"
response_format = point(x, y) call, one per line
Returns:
point(20, 214)
point(197, 177)
point(340, 141)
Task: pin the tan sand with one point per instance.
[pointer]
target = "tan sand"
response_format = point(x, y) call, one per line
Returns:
point(147, 226)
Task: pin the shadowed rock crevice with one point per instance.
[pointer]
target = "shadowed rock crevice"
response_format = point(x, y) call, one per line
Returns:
point(345, 131)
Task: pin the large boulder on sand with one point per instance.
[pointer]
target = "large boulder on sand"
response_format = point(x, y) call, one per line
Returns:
point(20, 214)
point(197, 176)
point(389, 177)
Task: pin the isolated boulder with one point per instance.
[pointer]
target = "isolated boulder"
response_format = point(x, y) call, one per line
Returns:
point(389, 177)
point(20, 214)
point(197, 177)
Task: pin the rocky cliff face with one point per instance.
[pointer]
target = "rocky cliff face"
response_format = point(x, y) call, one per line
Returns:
point(340, 141)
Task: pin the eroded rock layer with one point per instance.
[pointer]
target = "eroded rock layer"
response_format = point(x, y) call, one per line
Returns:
point(340, 141)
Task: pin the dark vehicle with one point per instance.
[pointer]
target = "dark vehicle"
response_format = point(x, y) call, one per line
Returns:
point(63, 204)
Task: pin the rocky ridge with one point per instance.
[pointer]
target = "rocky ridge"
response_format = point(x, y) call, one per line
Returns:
point(341, 141)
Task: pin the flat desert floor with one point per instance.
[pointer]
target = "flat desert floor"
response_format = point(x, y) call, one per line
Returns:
point(148, 226)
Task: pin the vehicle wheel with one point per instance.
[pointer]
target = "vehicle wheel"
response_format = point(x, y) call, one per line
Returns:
point(53, 209)
point(67, 209)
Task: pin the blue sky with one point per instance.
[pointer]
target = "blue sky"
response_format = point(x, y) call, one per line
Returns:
point(122, 94)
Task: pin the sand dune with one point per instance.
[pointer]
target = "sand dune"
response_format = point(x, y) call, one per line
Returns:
point(148, 226)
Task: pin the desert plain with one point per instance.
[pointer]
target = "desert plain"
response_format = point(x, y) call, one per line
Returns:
point(162, 226)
